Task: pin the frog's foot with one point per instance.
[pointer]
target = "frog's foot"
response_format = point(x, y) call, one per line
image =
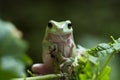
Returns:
point(41, 69)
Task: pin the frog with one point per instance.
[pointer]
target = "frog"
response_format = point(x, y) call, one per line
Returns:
point(58, 45)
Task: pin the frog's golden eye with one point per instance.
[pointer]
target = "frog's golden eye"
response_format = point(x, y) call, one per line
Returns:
point(69, 25)
point(50, 25)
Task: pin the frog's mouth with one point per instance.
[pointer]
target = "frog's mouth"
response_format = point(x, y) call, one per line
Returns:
point(58, 37)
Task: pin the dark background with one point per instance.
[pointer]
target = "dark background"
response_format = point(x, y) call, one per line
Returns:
point(94, 21)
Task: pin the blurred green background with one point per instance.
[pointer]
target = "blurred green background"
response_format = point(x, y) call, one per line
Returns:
point(94, 21)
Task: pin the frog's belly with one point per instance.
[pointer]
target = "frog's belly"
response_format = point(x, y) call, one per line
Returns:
point(66, 49)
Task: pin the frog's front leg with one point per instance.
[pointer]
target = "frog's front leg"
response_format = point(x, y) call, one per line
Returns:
point(53, 49)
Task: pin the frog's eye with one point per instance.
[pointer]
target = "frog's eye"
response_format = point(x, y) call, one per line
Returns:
point(69, 25)
point(50, 25)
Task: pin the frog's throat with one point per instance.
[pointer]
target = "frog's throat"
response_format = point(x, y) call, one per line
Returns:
point(58, 37)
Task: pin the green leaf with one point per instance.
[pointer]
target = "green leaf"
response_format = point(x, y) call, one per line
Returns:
point(104, 49)
point(105, 74)
point(10, 43)
point(11, 64)
point(26, 59)
point(12, 52)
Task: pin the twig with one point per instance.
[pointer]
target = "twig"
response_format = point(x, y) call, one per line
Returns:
point(43, 77)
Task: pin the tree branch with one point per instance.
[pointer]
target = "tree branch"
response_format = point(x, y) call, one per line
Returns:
point(43, 77)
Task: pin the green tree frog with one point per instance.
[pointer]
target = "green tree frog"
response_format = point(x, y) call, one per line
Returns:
point(58, 46)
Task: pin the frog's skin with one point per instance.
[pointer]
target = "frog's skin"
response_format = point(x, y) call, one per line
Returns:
point(58, 45)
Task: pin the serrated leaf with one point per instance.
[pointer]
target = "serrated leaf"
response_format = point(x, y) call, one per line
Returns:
point(104, 49)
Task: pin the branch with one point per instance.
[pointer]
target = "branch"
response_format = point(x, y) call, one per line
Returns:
point(43, 77)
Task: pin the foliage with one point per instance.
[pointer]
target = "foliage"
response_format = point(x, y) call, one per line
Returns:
point(12, 52)
point(89, 67)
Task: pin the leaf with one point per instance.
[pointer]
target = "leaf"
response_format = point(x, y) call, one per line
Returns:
point(26, 59)
point(10, 43)
point(105, 74)
point(104, 49)
point(93, 59)
point(12, 52)
point(11, 64)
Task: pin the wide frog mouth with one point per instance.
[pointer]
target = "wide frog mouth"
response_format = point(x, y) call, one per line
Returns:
point(58, 37)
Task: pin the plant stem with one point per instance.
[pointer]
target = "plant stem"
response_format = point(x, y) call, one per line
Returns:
point(104, 66)
point(43, 77)
point(113, 39)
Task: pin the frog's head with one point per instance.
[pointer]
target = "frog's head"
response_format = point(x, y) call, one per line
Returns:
point(64, 27)
point(59, 31)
